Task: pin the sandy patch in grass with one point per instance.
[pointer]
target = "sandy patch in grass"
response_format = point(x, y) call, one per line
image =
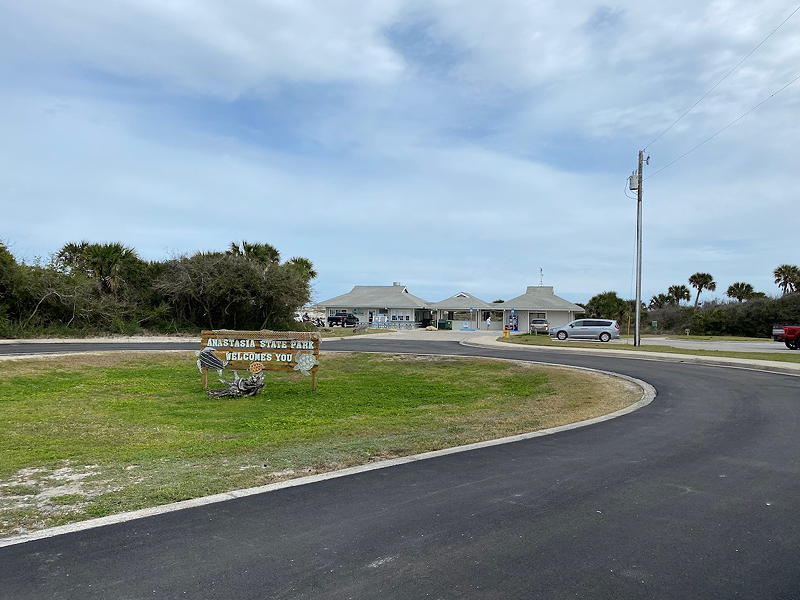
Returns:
point(35, 497)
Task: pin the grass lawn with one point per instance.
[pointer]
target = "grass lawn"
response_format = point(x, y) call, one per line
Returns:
point(540, 340)
point(90, 435)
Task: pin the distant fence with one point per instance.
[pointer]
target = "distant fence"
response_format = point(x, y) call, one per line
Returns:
point(395, 325)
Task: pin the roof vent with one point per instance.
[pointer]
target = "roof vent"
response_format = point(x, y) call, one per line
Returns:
point(396, 283)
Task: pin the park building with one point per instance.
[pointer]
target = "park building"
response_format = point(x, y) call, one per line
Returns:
point(390, 305)
point(393, 306)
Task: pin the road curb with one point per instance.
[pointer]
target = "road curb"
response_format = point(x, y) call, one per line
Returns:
point(648, 395)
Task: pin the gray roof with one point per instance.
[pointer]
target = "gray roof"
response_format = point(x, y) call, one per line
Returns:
point(376, 296)
point(540, 297)
point(463, 301)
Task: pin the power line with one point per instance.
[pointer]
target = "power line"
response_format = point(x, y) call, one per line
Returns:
point(716, 133)
point(724, 77)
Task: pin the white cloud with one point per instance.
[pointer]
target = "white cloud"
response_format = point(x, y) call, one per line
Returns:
point(222, 49)
point(511, 154)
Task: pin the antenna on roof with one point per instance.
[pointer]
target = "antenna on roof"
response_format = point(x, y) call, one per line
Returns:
point(541, 277)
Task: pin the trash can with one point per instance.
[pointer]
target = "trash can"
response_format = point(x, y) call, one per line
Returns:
point(445, 324)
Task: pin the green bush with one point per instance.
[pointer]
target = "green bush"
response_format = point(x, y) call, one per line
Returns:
point(752, 318)
point(91, 289)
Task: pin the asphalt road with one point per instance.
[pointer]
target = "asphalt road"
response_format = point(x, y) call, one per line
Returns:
point(695, 496)
point(58, 348)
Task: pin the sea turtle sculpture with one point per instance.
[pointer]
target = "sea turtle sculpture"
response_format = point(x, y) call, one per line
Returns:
point(305, 362)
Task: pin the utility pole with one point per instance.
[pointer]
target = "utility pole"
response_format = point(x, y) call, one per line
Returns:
point(637, 336)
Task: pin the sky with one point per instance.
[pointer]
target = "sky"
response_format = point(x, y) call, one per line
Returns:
point(450, 146)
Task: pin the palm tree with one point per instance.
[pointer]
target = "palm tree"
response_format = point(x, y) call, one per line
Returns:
point(304, 266)
point(266, 254)
point(787, 277)
point(107, 262)
point(660, 301)
point(740, 291)
point(73, 255)
point(678, 293)
point(104, 263)
point(702, 281)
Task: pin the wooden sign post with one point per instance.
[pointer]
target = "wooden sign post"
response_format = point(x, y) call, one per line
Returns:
point(259, 351)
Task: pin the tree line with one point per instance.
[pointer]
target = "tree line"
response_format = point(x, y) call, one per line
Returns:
point(787, 277)
point(106, 287)
point(748, 313)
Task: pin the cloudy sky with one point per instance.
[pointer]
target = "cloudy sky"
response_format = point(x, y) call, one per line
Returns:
point(447, 145)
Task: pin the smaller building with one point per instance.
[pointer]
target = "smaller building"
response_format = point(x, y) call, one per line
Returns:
point(466, 311)
point(391, 305)
point(538, 302)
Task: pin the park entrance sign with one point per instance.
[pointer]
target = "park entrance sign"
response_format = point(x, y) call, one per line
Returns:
point(259, 351)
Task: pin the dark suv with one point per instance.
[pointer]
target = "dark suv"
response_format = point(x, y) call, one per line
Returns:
point(343, 319)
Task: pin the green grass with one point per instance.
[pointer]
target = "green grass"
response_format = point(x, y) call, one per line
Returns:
point(88, 436)
point(18, 490)
point(68, 499)
point(534, 340)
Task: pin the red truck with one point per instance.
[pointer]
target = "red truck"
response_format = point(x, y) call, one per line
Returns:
point(788, 334)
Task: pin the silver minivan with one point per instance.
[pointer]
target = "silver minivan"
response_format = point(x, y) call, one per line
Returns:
point(591, 329)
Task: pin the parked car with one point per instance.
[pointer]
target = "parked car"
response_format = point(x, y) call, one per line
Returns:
point(593, 329)
point(539, 326)
point(343, 319)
